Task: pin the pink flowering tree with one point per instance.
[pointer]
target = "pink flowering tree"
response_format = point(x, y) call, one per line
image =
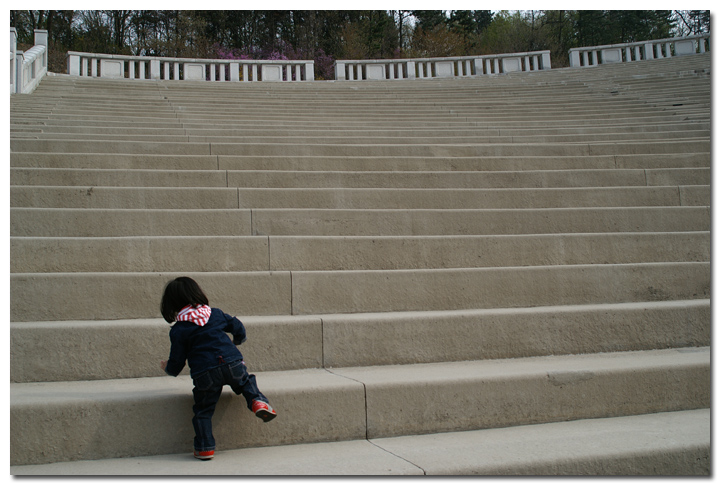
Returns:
point(324, 64)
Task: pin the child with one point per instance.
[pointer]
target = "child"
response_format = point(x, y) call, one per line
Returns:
point(199, 335)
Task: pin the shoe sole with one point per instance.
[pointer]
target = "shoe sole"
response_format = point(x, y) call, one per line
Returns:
point(265, 415)
point(204, 458)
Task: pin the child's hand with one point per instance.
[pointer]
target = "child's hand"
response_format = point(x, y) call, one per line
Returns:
point(163, 364)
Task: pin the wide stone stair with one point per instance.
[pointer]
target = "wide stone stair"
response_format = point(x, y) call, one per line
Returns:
point(504, 275)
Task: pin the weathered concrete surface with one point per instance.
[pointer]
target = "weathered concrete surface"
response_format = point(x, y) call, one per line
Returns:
point(358, 179)
point(298, 253)
point(80, 146)
point(415, 337)
point(409, 290)
point(50, 222)
point(137, 295)
point(118, 177)
point(386, 222)
point(132, 416)
point(47, 351)
point(450, 396)
point(354, 163)
point(660, 444)
point(122, 349)
point(336, 199)
point(135, 417)
point(139, 254)
point(116, 161)
point(620, 446)
point(426, 252)
point(346, 458)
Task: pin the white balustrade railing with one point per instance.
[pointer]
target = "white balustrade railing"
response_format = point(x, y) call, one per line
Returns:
point(637, 51)
point(13, 60)
point(175, 68)
point(28, 68)
point(440, 67)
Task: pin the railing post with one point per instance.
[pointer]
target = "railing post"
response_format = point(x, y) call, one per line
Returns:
point(13, 60)
point(41, 38)
point(478, 66)
point(649, 51)
point(339, 71)
point(574, 58)
point(234, 71)
point(545, 60)
point(20, 78)
point(155, 69)
point(309, 71)
point(73, 62)
point(411, 70)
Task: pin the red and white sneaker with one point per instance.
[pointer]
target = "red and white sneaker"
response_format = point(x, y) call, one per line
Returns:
point(204, 455)
point(263, 410)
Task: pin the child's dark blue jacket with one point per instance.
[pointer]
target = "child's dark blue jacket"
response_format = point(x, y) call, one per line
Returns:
point(205, 347)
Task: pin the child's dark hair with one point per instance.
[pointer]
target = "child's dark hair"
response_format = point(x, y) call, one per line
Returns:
point(178, 294)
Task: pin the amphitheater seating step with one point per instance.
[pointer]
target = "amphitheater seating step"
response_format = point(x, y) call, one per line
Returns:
point(648, 445)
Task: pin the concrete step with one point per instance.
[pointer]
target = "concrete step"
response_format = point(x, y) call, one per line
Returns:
point(358, 179)
point(674, 443)
point(438, 100)
point(690, 118)
point(623, 96)
point(92, 197)
point(354, 163)
point(311, 253)
point(271, 130)
point(517, 149)
point(127, 349)
point(548, 83)
point(53, 296)
point(463, 222)
point(151, 416)
point(399, 113)
point(328, 139)
point(652, 122)
point(480, 118)
point(470, 94)
point(53, 222)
